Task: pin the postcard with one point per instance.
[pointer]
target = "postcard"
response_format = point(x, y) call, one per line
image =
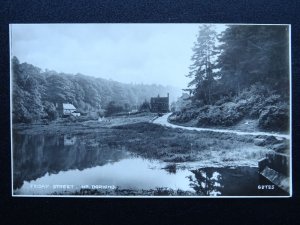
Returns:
point(151, 110)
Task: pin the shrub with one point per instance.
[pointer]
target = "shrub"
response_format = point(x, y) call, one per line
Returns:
point(113, 108)
point(224, 115)
point(257, 102)
point(50, 110)
point(274, 118)
point(223, 100)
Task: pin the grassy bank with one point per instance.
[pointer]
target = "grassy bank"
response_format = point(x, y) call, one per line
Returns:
point(79, 125)
point(177, 145)
point(152, 141)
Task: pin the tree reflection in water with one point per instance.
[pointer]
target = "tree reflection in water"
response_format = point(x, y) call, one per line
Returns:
point(171, 168)
point(207, 182)
point(36, 155)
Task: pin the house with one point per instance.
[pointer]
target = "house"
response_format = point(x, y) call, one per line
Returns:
point(159, 104)
point(69, 140)
point(67, 109)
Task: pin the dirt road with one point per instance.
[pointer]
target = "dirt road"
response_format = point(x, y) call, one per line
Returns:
point(163, 120)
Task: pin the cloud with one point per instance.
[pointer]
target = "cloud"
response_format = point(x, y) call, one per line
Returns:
point(138, 53)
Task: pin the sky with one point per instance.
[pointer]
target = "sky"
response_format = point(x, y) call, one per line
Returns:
point(128, 53)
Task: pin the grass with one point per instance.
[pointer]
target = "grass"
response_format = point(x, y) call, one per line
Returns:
point(134, 192)
point(154, 141)
point(173, 145)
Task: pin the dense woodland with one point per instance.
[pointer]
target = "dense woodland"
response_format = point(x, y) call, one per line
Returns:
point(36, 93)
point(242, 72)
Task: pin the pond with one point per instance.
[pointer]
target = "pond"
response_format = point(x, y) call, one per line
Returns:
point(66, 165)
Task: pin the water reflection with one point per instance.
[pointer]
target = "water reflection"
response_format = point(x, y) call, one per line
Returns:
point(239, 181)
point(207, 182)
point(37, 155)
point(171, 168)
point(131, 173)
point(43, 162)
point(69, 140)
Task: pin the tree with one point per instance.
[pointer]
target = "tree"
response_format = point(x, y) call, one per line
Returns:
point(145, 106)
point(27, 103)
point(113, 108)
point(50, 110)
point(202, 69)
point(36, 92)
point(251, 54)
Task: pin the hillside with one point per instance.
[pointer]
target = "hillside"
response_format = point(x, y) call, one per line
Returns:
point(241, 74)
point(36, 92)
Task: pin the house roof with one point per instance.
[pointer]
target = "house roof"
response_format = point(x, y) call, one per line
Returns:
point(159, 99)
point(68, 106)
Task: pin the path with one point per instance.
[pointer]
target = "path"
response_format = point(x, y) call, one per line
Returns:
point(163, 120)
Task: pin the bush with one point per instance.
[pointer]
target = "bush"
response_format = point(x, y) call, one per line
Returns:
point(257, 102)
point(275, 118)
point(113, 108)
point(222, 100)
point(50, 110)
point(225, 115)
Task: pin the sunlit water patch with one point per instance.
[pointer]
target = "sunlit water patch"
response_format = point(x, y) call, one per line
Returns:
point(131, 173)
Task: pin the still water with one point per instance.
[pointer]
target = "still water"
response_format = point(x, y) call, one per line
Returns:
point(45, 165)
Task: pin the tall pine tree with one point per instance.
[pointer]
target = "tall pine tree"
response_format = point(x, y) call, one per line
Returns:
point(201, 71)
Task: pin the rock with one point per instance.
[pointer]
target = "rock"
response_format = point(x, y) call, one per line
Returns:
point(276, 178)
point(280, 147)
point(259, 141)
point(270, 140)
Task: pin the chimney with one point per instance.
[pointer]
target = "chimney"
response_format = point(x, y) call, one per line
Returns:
point(168, 94)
